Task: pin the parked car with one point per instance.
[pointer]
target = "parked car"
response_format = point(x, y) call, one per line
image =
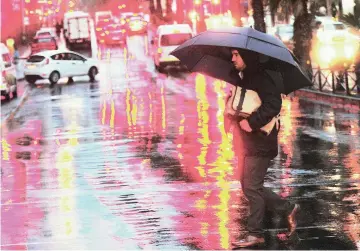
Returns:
point(43, 43)
point(55, 64)
point(8, 81)
point(167, 38)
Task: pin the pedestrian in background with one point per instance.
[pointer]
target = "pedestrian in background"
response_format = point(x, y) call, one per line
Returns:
point(255, 150)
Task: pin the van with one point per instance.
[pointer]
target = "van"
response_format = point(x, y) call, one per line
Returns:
point(167, 39)
point(8, 81)
point(77, 28)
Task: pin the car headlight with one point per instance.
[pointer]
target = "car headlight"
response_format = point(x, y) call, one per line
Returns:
point(327, 53)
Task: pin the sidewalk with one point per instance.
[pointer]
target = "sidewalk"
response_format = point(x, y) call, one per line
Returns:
point(351, 103)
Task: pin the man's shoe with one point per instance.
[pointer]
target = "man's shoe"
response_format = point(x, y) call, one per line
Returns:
point(250, 241)
point(292, 223)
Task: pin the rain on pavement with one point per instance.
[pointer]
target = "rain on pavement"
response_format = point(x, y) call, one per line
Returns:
point(140, 160)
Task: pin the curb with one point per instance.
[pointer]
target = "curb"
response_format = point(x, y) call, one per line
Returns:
point(12, 114)
point(337, 101)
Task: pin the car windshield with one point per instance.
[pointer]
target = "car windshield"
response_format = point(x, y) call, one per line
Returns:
point(174, 39)
point(44, 34)
point(286, 29)
point(335, 27)
point(43, 40)
point(35, 59)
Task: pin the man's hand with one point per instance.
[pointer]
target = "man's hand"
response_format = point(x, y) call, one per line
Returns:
point(244, 124)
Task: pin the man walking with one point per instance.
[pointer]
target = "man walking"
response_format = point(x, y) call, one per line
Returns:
point(255, 150)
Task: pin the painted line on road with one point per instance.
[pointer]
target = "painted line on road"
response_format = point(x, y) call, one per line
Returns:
point(12, 114)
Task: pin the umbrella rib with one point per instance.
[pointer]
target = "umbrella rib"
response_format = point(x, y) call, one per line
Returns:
point(248, 37)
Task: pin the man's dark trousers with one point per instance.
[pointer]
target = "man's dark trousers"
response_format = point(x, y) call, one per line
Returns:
point(252, 174)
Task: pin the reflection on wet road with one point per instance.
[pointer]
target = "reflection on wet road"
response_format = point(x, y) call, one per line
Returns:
point(140, 160)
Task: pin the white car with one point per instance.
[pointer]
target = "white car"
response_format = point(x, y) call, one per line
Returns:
point(56, 64)
point(167, 39)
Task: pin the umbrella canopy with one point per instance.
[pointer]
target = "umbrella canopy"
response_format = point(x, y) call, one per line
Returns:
point(210, 53)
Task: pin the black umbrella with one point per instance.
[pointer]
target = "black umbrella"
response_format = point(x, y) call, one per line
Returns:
point(209, 53)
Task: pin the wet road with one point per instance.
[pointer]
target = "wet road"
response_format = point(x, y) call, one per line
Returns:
point(140, 160)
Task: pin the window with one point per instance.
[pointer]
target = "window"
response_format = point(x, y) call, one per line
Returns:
point(286, 29)
point(174, 39)
point(43, 40)
point(75, 57)
point(35, 59)
point(44, 34)
point(59, 56)
point(7, 59)
point(335, 27)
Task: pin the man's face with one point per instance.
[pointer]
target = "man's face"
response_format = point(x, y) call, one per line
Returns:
point(237, 60)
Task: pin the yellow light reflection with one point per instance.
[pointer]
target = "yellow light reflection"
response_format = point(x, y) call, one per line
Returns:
point(134, 110)
point(128, 107)
point(163, 109)
point(112, 118)
point(150, 112)
point(6, 148)
point(103, 113)
point(222, 168)
point(203, 120)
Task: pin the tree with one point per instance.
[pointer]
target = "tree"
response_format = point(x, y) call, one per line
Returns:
point(302, 28)
point(151, 6)
point(159, 10)
point(302, 33)
point(258, 15)
point(180, 11)
point(169, 13)
point(353, 20)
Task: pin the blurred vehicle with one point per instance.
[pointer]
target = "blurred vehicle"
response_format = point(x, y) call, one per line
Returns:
point(113, 34)
point(285, 33)
point(8, 81)
point(103, 15)
point(56, 64)
point(219, 21)
point(47, 31)
point(125, 17)
point(77, 28)
point(167, 38)
point(333, 46)
point(137, 25)
point(43, 43)
point(101, 27)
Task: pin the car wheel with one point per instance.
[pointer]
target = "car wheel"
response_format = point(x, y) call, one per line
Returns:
point(54, 77)
point(92, 73)
point(30, 80)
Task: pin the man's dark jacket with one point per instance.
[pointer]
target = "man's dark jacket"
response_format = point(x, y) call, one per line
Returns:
point(267, 86)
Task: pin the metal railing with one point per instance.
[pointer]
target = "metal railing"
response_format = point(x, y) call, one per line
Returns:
point(345, 82)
